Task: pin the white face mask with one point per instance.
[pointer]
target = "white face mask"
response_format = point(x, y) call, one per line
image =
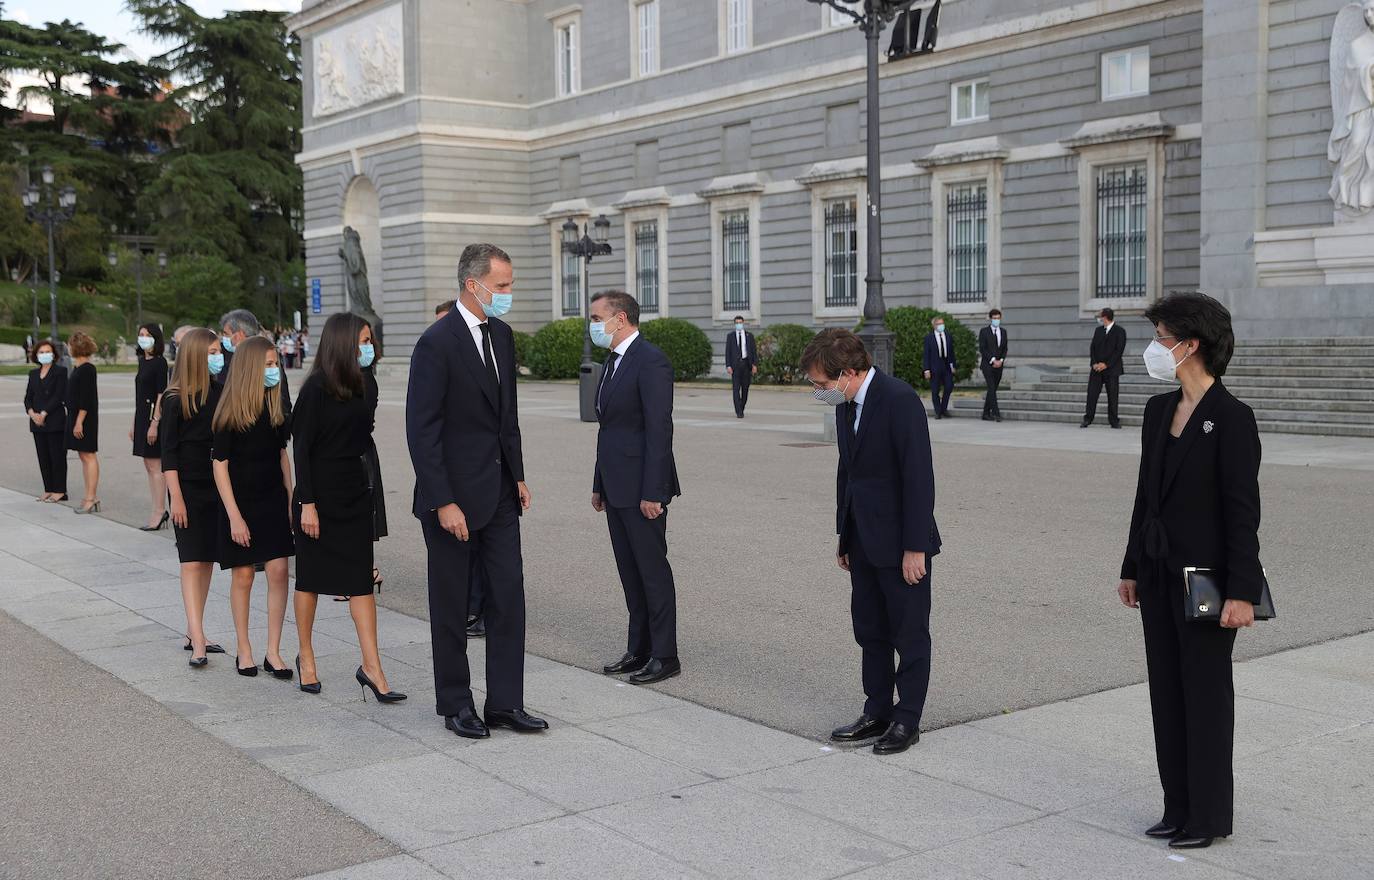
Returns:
point(1159, 361)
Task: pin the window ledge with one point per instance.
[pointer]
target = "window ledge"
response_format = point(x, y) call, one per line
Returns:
point(1117, 129)
point(964, 152)
point(567, 208)
point(838, 169)
point(653, 197)
point(735, 184)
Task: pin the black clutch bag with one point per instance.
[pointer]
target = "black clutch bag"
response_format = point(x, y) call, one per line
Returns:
point(1204, 593)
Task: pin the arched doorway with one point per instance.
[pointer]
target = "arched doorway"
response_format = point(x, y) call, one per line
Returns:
point(362, 211)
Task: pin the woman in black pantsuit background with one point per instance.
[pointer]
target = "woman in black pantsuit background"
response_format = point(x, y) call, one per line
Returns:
point(331, 426)
point(43, 401)
point(1197, 504)
point(83, 418)
point(149, 383)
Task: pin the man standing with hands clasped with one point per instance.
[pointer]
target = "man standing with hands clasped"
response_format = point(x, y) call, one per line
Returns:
point(741, 362)
point(887, 533)
point(1105, 357)
point(634, 479)
point(464, 436)
point(992, 356)
point(939, 364)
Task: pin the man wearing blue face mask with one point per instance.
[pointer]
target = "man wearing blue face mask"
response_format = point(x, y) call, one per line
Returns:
point(741, 362)
point(992, 354)
point(939, 364)
point(235, 327)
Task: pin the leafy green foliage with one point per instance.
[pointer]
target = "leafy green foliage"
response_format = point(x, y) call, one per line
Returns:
point(556, 350)
point(683, 342)
point(910, 326)
point(522, 348)
point(195, 290)
point(780, 351)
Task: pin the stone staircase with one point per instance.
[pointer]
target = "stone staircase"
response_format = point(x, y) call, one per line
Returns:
point(1295, 386)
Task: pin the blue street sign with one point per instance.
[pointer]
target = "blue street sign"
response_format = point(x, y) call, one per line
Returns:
point(316, 306)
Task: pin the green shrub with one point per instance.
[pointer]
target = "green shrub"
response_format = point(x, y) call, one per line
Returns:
point(780, 351)
point(71, 307)
point(522, 348)
point(108, 348)
point(555, 351)
point(683, 342)
point(14, 335)
point(910, 326)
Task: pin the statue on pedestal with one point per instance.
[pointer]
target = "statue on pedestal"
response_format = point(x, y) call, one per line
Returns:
point(1352, 102)
point(355, 283)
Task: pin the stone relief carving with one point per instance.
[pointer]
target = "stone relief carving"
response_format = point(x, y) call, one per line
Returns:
point(1352, 102)
point(359, 62)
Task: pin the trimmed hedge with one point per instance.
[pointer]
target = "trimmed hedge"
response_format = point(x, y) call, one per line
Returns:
point(14, 335)
point(910, 325)
point(555, 350)
point(522, 348)
point(685, 344)
point(780, 351)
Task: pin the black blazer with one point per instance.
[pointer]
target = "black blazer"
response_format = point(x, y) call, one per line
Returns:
point(463, 430)
point(1107, 348)
point(930, 358)
point(634, 446)
point(732, 352)
point(886, 482)
point(988, 348)
point(1204, 508)
point(47, 395)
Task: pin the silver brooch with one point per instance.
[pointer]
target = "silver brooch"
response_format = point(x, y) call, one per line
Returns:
point(1207, 427)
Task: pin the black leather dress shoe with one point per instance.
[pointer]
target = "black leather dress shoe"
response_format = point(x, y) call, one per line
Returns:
point(1085, 423)
point(1116, 427)
point(867, 726)
point(899, 738)
point(1163, 830)
point(986, 417)
point(477, 628)
point(628, 663)
point(657, 670)
point(467, 724)
point(1186, 840)
point(515, 719)
point(998, 417)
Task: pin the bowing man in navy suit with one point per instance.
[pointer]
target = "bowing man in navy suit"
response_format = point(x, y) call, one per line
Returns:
point(886, 524)
point(464, 436)
point(634, 480)
point(938, 362)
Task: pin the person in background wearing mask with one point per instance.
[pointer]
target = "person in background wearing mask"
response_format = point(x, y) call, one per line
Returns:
point(992, 354)
point(43, 401)
point(149, 384)
point(634, 480)
point(1105, 356)
point(939, 364)
point(741, 362)
point(887, 533)
point(236, 326)
point(463, 430)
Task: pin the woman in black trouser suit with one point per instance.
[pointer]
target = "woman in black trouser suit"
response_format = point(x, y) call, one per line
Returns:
point(1197, 504)
point(48, 419)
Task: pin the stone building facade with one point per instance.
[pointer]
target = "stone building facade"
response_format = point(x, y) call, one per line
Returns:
point(1051, 157)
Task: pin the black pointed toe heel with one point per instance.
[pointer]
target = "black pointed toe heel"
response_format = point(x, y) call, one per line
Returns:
point(246, 672)
point(313, 687)
point(282, 673)
point(388, 697)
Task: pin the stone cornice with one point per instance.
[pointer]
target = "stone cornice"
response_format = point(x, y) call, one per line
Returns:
point(567, 208)
point(964, 152)
point(654, 196)
point(735, 184)
point(838, 169)
point(1117, 129)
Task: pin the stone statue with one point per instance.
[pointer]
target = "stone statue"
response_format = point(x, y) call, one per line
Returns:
point(355, 283)
point(1352, 102)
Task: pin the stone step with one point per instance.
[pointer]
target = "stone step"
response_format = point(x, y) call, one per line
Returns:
point(1304, 341)
point(1010, 401)
point(1303, 351)
point(1283, 363)
point(1232, 382)
point(1257, 403)
point(1248, 393)
point(1134, 420)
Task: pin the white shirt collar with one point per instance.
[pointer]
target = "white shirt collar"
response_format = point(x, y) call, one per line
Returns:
point(863, 389)
point(473, 320)
point(1108, 325)
point(625, 345)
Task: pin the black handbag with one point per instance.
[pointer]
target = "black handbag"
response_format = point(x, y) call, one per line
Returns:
point(1204, 594)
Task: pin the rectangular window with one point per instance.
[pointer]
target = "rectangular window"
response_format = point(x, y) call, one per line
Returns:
point(841, 254)
point(1126, 74)
point(646, 265)
point(969, 102)
point(1121, 236)
point(734, 237)
point(647, 17)
point(838, 18)
point(572, 284)
point(966, 226)
point(736, 25)
point(569, 79)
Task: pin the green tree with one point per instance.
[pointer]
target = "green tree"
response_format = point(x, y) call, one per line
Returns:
point(194, 289)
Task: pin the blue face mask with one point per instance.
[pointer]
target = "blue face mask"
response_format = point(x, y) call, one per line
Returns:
point(939, 328)
point(145, 343)
point(366, 355)
point(216, 363)
point(227, 343)
point(997, 322)
point(271, 376)
point(499, 305)
point(45, 357)
point(601, 337)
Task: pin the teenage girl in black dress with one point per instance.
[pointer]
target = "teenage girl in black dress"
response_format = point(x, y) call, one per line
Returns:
point(149, 384)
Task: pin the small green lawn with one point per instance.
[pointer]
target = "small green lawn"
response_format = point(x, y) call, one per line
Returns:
point(101, 318)
point(23, 369)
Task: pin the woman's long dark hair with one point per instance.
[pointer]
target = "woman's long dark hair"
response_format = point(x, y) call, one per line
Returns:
point(336, 360)
point(156, 332)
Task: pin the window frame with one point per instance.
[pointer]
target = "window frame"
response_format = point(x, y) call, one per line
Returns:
point(720, 206)
point(974, 85)
point(726, 29)
point(633, 217)
point(1091, 158)
point(637, 48)
point(823, 193)
point(986, 172)
point(1131, 54)
point(570, 22)
point(556, 267)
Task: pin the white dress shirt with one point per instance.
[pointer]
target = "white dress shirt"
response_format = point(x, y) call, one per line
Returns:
point(859, 398)
point(475, 327)
point(620, 350)
point(740, 340)
point(940, 342)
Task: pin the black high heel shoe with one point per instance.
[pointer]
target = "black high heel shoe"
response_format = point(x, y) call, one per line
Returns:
point(313, 687)
point(388, 697)
point(247, 672)
point(198, 662)
point(161, 524)
point(282, 673)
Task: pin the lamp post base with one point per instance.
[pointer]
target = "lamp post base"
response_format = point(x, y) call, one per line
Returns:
point(588, 377)
point(880, 343)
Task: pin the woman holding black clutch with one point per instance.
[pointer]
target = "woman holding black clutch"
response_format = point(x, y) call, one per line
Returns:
point(48, 419)
point(1197, 504)
point(149, 384)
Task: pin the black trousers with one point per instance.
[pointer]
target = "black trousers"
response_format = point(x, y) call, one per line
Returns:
point(641, 555)
point(477, 584)
point(941, 387)
point(1192, 700)
point(740, 380)
point(993, 377)
point(498, 544)
point(1095, 382)
point(52, 460)
point(891, 617)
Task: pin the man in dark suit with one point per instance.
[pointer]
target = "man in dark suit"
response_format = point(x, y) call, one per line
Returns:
point(992, 354)
point(939, 364)
point(464, 436)
point(235, 327)
point(1105, 356)
point(741, 362)
point(887, 533)
point(634, 480)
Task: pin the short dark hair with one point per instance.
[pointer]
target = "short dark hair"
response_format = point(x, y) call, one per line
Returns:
point(40, 344)
point(834, 351)
point(154, 331)
point(1195, 315)
point(1107, 313)
point(476, 261)
point(445, 307)
point(739, 317)
point(620, 301)
point(995, 313)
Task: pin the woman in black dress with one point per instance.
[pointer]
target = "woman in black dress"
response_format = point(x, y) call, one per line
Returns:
point(1197, 504)
point(253, 475)
point(149, 384)
point(48, 419)
point(331, 427)
point(83, 417)
point(187, 409)
point(367, 360)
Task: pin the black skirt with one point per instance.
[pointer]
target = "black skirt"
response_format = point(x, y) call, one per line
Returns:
point(263, 504)
point(199, 541)
point(339, 562)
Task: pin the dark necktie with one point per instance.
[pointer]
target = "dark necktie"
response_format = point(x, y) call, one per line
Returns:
point(939, 340)
point(851, 416)
point(606, 373)
point(489, 356)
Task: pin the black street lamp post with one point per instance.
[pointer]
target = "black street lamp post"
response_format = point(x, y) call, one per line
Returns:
point(593, 240)
point(52, 209)
point(138, 276)
point(276, 287)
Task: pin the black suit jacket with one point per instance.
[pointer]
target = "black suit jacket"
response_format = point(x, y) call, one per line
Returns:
point(47, 395)
point(930, 357)
point(988, 347)
point(886, 481)
point(732, 352)
point(634, 446)
point(1107, 348)
point(463, 430)
point(1204, 508)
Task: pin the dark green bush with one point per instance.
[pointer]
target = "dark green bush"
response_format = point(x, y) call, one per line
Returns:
point(910, 325)
point(522, 348)
point(683, 342)
point(14, 335)
point(71, 307)
point(555, 351)
point(780, 351)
